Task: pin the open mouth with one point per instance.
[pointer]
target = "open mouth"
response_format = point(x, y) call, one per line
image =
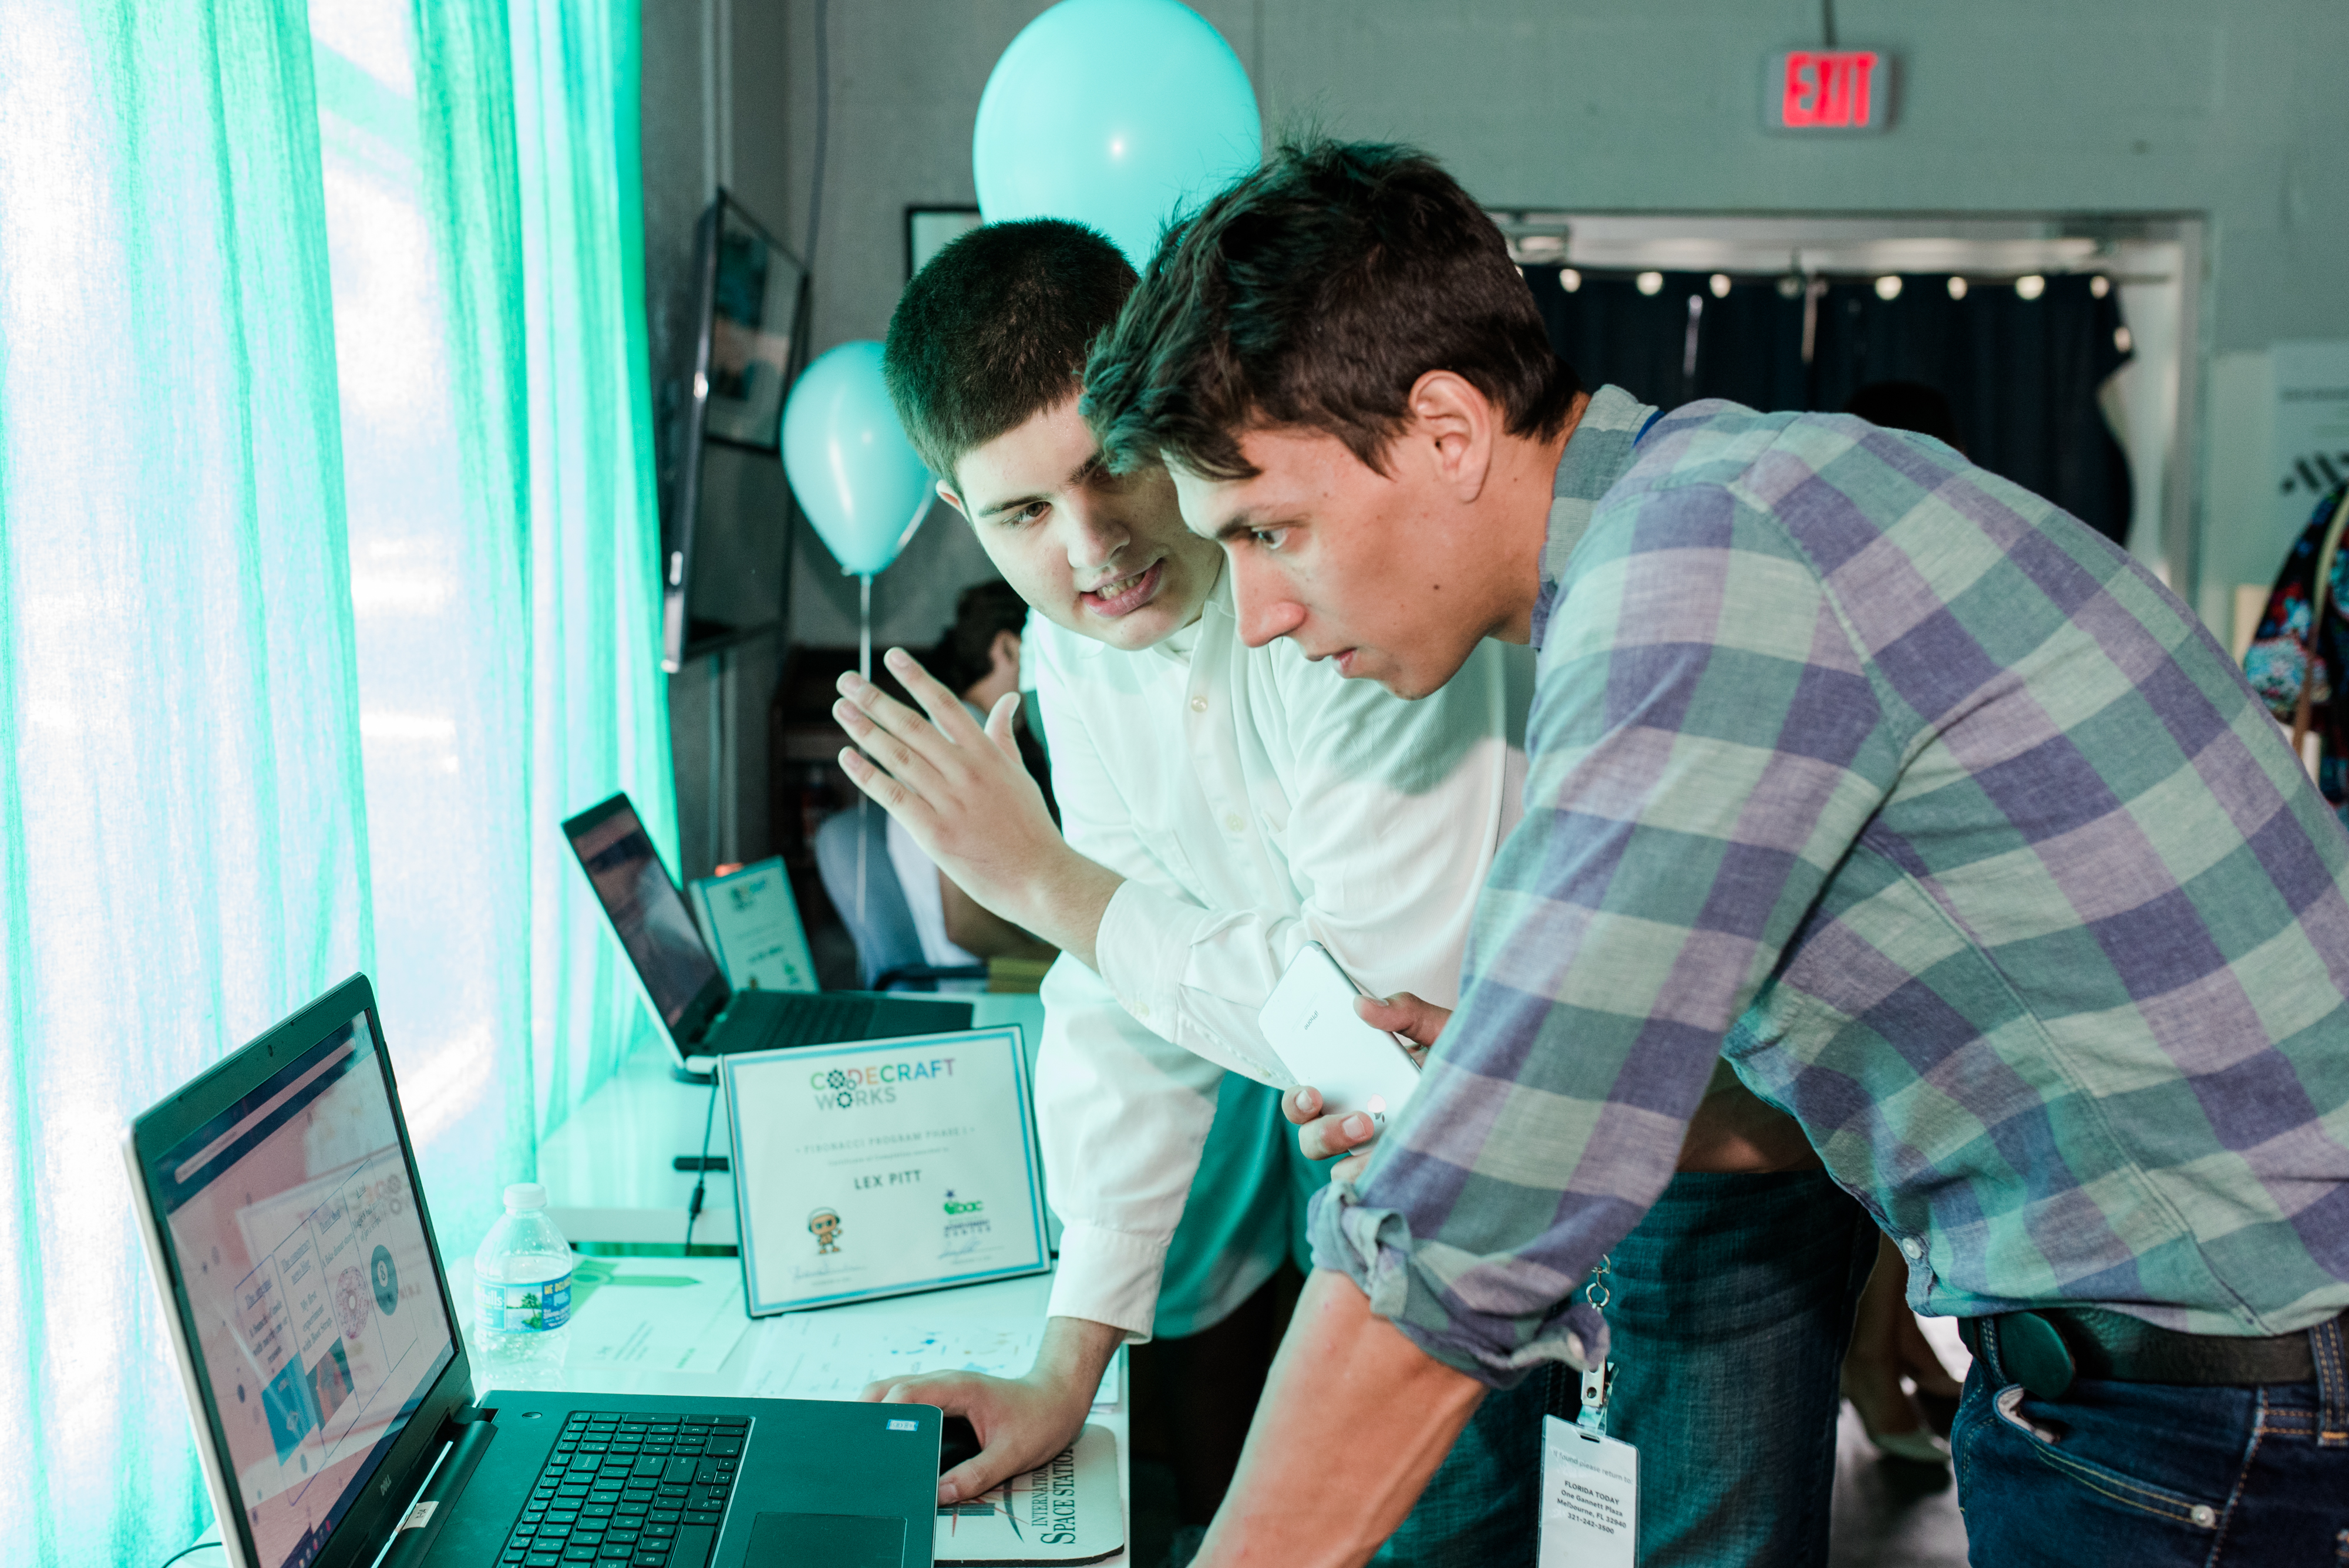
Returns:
point(1127, 594)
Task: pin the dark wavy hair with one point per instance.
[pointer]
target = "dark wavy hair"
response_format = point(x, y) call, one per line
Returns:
point(995, 330)
point(1314, 293)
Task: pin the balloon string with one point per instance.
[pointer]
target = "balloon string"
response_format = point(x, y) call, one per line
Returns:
point(863, 669)
point(864, 624)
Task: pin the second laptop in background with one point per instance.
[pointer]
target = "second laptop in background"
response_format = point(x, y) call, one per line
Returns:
point(702, 1014)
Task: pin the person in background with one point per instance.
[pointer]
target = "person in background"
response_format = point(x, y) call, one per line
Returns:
point(2298, 660)
point(978, 661)
point(1926, 805)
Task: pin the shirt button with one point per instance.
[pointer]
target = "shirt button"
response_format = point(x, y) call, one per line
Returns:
point(1142, 1010)
point(1198, 704)
point(1234, 822)
point(1912, 1248)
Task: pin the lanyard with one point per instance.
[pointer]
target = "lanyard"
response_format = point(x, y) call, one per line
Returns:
point(1598, 1381)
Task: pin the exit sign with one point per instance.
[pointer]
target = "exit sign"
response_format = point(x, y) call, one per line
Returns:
point(1827, 89)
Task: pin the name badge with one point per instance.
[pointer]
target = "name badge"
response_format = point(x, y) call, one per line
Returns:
point(1590, 1498)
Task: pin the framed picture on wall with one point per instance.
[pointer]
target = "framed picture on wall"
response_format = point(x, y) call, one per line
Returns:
point(929, 230)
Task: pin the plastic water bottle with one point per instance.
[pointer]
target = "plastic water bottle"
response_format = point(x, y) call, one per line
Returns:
point(522, 1289)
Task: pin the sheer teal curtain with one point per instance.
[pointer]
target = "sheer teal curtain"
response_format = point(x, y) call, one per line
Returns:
point(481, 175)
point(326, 589)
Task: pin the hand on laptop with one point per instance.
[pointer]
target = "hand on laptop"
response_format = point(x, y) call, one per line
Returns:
point(967, 798)
point(1021, 1422)
point(1322, 1135)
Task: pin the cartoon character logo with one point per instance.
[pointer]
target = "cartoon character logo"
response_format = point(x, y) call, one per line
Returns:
point(351, 1303)
point(824, 1225)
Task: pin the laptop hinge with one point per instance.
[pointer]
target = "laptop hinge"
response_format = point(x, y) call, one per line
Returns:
point(467, 1432)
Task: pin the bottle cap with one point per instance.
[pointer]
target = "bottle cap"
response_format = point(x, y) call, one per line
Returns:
point(525, 1194)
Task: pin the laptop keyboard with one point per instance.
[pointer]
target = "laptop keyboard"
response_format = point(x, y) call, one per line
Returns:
point(645, 1490)
point(811, 1019)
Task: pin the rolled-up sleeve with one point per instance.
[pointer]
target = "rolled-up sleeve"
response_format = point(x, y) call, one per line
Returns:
point(1705, 746)
point(1100, 1077)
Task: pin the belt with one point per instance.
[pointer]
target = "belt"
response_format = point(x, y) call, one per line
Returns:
point(2045, 1350)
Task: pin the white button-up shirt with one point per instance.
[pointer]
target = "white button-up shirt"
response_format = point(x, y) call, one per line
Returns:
point(1255, 801)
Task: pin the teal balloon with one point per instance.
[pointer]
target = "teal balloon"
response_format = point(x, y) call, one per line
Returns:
point(849, 461)
point(1113, 113)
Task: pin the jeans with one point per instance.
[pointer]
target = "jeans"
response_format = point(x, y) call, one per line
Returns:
point(2152, 1474)
point(1731, 1306)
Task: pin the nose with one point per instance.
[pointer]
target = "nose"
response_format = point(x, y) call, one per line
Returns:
point(1095, 535)
point(1261, 600)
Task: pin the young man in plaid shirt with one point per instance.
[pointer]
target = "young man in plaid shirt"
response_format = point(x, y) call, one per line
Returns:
point(1941, 821)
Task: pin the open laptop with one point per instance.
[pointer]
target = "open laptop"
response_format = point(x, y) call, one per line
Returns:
point(704, 1016)
point(331, 1395)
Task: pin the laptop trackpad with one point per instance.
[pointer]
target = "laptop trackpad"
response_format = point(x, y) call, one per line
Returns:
point(827, 1541)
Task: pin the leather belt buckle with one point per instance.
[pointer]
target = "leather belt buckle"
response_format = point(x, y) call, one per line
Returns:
point(2031, 1352)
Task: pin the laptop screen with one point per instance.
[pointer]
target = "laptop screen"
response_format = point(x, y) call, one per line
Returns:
point(317, 1313)
point(645, 909)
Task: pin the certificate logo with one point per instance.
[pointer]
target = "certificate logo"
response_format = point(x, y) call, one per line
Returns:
point(845, 1088)
point(823, 1224)
point(967, 1228)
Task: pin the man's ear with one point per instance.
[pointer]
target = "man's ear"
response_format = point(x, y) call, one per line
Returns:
point(1454, 427)
point(951, 499)
point(1003, 655)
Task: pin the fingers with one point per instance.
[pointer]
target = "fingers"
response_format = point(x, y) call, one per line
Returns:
point(947, 1393)
point(1350, 1168)
point(1405, 1014)
point(944, 709)
point(998, 725)
point(976, 1476)
point(885, 791)
point(1301, 1104)
point(902, 755)
point(1325, 1136)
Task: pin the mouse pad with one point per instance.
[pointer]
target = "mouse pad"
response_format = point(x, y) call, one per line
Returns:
point(827, 1541)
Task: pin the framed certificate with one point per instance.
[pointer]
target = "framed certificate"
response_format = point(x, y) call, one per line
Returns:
point(883, 1167)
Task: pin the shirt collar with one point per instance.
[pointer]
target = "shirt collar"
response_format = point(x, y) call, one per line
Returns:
point(1598, 453)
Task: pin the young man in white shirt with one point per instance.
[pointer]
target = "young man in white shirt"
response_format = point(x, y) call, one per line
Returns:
point(1222, 807)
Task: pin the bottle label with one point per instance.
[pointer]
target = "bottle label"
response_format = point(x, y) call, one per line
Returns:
point(536, 1308)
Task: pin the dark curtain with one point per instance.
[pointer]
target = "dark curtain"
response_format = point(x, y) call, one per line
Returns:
point(2020, 374)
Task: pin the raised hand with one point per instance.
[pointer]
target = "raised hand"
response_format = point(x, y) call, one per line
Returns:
point(967, 798)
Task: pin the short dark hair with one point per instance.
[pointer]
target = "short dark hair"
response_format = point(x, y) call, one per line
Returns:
point(1315, 293)
point(983, 612)
point(995, 330)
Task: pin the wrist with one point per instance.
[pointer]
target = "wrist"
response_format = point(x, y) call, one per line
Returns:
point(1062, 899)
point(1074, 1354)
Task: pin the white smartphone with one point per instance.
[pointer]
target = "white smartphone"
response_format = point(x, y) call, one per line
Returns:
point(1310, 1020)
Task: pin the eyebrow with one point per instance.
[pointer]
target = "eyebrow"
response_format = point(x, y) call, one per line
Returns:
point(1077, 476)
